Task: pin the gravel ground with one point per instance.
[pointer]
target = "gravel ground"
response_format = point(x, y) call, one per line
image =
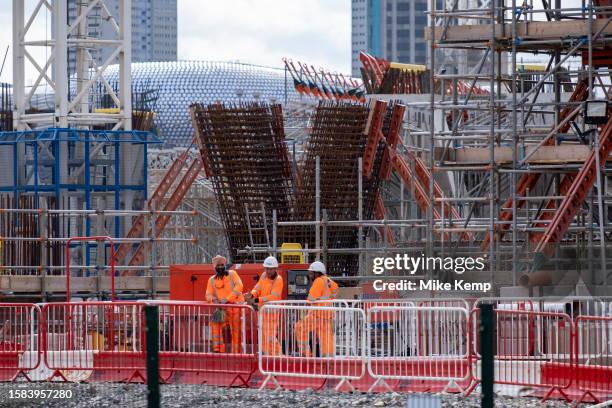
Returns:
point(191, 396)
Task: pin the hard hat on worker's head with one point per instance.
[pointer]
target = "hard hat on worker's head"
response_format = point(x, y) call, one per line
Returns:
point(317, 266)
point(270, 262)
point(219, 260)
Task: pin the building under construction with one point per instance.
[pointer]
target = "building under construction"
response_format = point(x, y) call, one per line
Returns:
point(108, 231)
point(517, 156)
point(507, 163)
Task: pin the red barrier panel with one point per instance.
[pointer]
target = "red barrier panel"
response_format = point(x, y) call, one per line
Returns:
point(527, 342)
point(104, 341)
point(405, 347)
point(313, 343)
point(208, 343)
point(419, 343)
point(593, 345)
point(105, 337)
point(19, 348)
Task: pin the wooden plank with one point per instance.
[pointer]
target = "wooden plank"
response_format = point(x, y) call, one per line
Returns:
point(32, 284)
point(536, 30)
point(503, 155)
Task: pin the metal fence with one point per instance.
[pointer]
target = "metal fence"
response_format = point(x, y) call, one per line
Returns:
point(193, 335)
point(321, 342)
point(416, 345)
point(19, 347)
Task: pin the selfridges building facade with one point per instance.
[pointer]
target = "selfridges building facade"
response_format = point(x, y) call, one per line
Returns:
point(178, 84)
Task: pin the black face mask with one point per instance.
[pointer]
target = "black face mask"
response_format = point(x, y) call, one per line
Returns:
point(220, 269)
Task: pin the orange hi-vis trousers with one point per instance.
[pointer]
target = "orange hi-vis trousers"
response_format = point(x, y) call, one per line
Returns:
point(322, 326)
point(234, 321)
point(269, 334)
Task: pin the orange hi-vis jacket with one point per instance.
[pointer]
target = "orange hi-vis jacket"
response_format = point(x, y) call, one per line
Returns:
point(228, 288)
point(323, 288)
point(267, 290)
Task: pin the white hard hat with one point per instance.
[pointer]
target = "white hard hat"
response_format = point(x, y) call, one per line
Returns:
point(270, 262)
point(317, 266)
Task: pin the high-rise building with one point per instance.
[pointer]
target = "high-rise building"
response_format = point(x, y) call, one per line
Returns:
point(390, 29)
point(154, 29)
point(395, 30)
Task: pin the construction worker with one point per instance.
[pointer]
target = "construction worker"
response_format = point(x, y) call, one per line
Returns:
point(318, 321)
point(225, 287)
point(268, 288)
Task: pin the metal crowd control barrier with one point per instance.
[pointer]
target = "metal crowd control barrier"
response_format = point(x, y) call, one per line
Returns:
point(438, 302)
point(593, 369)
point(19, 343)
point(418, 343)
point(571, 305)
point(348, 341)
point(367, 304)
point(101, 341)
point(537, 346)
point(295, 302)
point(194, 334)
point(311, 342)
point(532, 348)
point(444, 302)
point(508, 303)
point(576, 306)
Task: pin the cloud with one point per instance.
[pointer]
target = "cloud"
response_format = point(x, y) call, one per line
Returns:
point(265, 31)
point(5, 40)
point(39, 30)
point(256, 31)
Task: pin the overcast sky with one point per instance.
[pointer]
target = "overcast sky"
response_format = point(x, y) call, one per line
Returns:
point(257, 31)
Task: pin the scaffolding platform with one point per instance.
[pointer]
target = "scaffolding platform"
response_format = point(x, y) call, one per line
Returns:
point(92, 285)
point(503, 155)
point(552, 31)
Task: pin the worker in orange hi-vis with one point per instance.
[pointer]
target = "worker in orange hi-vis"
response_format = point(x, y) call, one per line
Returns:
point(225, 287)
point(268, 288)
point(318, 321)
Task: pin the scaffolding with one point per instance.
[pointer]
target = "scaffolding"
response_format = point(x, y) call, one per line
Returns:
point(502, 159)
point(61, 183)
point(526, 168)
point(498, 157)
point(199, 222)
point(79, 167)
